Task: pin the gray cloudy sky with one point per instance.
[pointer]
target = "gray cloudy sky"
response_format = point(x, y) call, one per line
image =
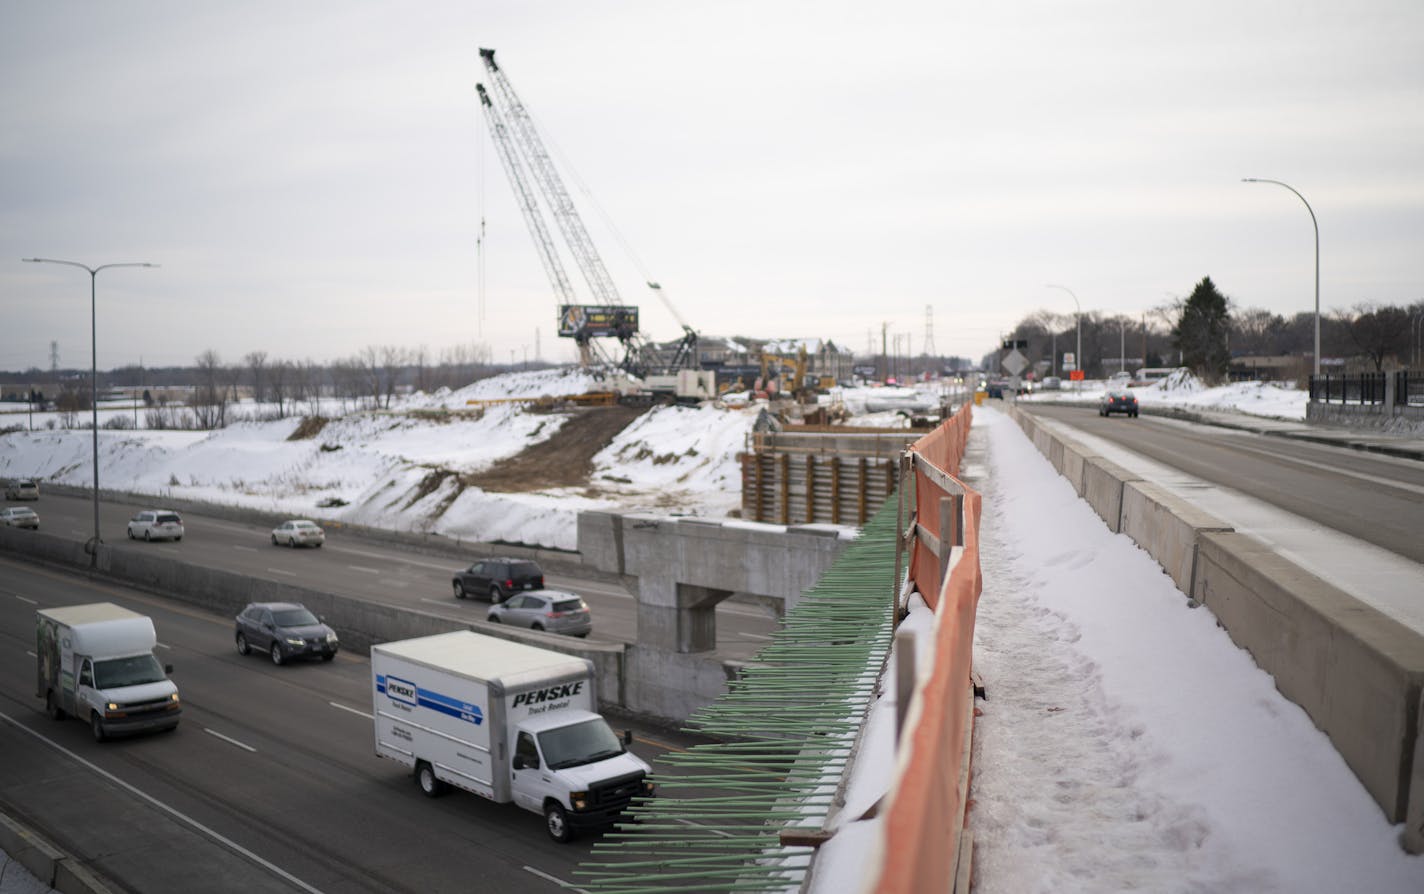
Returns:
point(311, 176)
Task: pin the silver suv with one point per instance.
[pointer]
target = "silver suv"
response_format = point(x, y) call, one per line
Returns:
point(22, 489)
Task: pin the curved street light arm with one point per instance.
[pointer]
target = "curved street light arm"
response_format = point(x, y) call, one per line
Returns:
point(1316, 224)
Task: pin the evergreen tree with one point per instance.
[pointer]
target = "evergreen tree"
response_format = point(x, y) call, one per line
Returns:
point(1201, 331)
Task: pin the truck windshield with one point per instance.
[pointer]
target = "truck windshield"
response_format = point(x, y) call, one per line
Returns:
point(127, 672)
point(581, 743)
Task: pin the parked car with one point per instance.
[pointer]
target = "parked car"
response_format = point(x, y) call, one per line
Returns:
point(22, 489)
point(499, 578)
point(1051, 383)
point(553, 610)
point(298, 532)
point(156, 524)
point(284, 630)
point(19, 517)
point(1117, 400)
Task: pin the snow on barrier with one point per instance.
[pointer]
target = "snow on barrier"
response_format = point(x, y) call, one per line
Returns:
point(923, 844)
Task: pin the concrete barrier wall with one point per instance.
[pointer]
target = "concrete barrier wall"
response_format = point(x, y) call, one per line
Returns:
point(1167, 527)
point(1358, 673)
point(47, 863)
point(1103, 481)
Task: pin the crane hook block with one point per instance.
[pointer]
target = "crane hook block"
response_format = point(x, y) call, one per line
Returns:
point(489, 58)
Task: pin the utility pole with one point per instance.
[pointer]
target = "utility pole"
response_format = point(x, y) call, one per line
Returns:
point(928, 348)
point(884, 351)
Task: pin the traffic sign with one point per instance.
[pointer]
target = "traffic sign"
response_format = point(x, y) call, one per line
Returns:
point(1014, 362)
point(1076, 375)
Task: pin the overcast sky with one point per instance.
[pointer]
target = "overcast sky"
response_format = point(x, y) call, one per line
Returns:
point(312, 176)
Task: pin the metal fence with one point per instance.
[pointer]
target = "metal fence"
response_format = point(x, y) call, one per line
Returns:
point(1368, 388)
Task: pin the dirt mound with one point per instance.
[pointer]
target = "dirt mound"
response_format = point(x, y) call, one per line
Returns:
point(565, 460)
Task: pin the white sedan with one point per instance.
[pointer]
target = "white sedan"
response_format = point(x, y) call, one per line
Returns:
point(19, 517)
point(298, 532)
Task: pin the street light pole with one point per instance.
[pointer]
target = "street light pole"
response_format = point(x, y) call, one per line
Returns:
point(93, 374)
point(1078, 357)
point(1316, 225)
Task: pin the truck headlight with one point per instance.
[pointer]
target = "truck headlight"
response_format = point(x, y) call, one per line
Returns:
point(112, 706)
point(173, 698)
point(579, 800)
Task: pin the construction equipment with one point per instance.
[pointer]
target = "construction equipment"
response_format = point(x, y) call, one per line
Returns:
point(514, 135)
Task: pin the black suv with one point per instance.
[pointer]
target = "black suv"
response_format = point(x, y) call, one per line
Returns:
point(284, 630)
point(499, 578)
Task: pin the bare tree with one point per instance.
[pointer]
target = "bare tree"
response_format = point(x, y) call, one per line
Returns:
point(393, 361)
point(257, 363)
point(1380, 333)
point(277, 385)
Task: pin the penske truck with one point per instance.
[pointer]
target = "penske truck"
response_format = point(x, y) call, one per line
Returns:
point(508, 722)
point(96, 663)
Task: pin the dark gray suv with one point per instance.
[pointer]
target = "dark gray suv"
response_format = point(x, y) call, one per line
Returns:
point(498, 578)
point(284, 630)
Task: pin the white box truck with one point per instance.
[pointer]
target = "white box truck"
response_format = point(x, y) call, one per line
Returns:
point(506, 721)
point(96, 664)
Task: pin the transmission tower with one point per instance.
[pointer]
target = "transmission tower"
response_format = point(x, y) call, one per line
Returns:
point(929, 348)
point(54, 359)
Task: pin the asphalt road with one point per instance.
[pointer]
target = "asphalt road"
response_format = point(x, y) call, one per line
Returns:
point(270, 782)
point(372, 571)
point(1377, 499)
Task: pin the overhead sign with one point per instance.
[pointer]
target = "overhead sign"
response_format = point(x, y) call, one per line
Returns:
point(598, 321)
point(1070, 360)
point(1014, 363)
point(1013, 344)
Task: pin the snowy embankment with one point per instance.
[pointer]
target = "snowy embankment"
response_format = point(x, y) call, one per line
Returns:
point(405, 470)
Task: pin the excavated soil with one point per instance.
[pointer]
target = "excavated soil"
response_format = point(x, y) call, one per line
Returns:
point(565, 460)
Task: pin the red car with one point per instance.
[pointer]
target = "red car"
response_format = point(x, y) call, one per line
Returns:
point(1118, 400)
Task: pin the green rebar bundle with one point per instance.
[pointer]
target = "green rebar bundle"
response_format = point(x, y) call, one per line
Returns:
point(791, 722)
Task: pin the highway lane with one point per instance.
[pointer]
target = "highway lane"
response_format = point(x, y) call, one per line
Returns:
point(1377, 499)
point(270, 782)
point(379, 572)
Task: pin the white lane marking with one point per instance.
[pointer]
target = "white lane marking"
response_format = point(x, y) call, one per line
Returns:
point(226, 842)
point(25, 599)
point(364, 568)
point(31, 654)
point(398, 584)
point(164, 646)
point(444, 566)
point(246, 549)
point(280, 571)
point(230, 740)
point(352, 710)
point(549, 878)
point(713, 831)
point(445, 602)
point(755, 636)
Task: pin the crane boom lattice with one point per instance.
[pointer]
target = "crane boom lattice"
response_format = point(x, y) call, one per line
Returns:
point(556, 197)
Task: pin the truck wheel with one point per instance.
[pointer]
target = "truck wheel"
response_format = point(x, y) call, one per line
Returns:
point(96, 726)
point(459, 590)
point(425, 778)
point(557, 822)
point(242, 647)
point(52, 707)
point(277, 654)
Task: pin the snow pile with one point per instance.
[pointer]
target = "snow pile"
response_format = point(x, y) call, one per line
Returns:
point(681, 449)
point(556, 382)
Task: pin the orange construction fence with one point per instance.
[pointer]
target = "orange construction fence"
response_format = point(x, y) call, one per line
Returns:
point(925, 809)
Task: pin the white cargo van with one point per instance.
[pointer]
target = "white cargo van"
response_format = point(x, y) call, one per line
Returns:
point(96, 663)
point(506, 721)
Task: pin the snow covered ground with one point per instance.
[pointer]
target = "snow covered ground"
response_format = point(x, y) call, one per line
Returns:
point(1126, 742)
point(1183, 390)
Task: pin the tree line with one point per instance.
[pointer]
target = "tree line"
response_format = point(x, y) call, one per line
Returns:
point(210, 388)
point(1205, 331)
